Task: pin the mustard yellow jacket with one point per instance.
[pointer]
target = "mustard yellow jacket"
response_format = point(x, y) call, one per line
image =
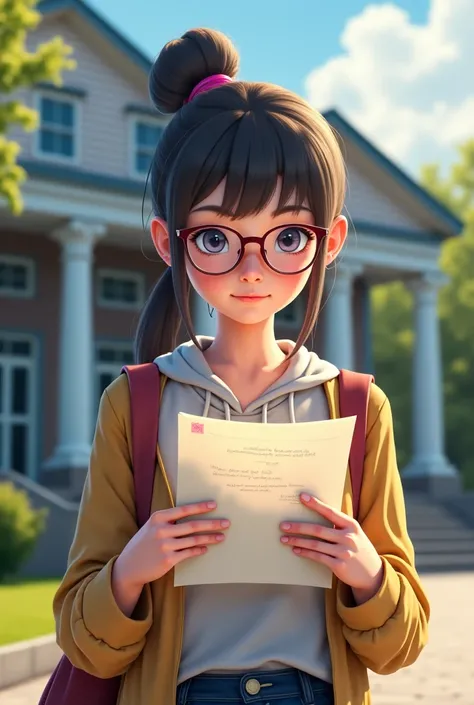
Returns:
point(384, 634)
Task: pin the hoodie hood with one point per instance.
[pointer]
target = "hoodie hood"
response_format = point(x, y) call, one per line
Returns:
point(187, 365)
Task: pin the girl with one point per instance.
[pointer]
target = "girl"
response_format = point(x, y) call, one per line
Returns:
point(247, 187)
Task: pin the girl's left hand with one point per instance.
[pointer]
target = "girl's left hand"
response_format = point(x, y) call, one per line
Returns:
point(345, 549)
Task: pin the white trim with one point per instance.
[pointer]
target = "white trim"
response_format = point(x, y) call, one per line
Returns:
point(76, 159)
point(31, 362)
point(391, 253)
point(29, 265)
point(133, 120)
point(121, 274)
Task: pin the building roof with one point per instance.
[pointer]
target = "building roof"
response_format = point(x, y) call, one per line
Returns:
point(450, 223)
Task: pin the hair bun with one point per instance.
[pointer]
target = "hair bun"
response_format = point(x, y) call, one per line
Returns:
point(183, 63)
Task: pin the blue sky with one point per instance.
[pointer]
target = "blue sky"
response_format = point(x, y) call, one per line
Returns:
point(279, 41)
point(399, 70)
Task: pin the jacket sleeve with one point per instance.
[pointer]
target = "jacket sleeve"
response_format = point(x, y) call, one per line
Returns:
point(91, 629)
point(390, 630)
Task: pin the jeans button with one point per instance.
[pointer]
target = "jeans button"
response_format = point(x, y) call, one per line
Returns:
point(252, 686)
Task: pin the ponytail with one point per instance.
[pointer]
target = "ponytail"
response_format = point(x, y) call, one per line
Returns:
point(159, 323)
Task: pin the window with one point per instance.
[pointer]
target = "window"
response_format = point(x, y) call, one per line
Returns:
point(110, 358)
point(17, 403)
point(57, 135)
point(146, 135)
point(117, 289)
point(16, 277)
point(291, 315)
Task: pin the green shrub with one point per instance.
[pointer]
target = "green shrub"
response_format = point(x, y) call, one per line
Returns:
point(20, 527)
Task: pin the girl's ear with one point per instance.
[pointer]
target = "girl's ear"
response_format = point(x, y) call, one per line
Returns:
point(336, 238)
point(161, 239)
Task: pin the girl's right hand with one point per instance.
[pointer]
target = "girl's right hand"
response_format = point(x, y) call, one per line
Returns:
point(161, 543)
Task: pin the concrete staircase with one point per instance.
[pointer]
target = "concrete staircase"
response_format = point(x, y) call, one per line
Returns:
point(443, 538)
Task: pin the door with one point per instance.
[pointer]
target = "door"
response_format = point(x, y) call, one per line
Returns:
point(17, 403)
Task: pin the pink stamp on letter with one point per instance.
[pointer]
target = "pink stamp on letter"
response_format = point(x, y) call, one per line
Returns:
point(197, 428)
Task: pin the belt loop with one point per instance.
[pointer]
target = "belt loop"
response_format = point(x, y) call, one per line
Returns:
point(183, 690)
point(306, 689)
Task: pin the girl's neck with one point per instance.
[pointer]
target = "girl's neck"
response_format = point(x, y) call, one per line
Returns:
point(246, 357)
point(246, 348)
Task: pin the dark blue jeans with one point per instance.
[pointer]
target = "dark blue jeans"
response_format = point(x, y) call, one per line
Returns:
point(285, 687)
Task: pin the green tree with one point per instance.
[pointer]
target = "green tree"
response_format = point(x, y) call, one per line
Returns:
point(20, 68)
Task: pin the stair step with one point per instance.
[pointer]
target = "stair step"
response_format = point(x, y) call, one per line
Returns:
point(455, 547)
point(442, 534)
point(449, 560)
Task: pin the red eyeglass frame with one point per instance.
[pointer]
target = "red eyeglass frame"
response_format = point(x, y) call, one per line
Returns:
point(320, 233)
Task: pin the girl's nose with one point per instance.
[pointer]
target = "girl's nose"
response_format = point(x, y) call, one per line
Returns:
point(251, 267)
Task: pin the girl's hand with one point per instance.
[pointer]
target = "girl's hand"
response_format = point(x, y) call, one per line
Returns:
point(345, 549)
point(161, 543)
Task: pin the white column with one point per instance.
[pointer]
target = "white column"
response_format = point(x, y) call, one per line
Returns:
point(338, 316)
point(204, 323)
point(76, 346)
point(429, 458)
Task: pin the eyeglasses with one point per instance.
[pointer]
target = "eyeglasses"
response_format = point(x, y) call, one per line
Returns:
point(287, 249)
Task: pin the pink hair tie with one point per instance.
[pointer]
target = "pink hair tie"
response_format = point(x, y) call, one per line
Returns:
point(207, 84)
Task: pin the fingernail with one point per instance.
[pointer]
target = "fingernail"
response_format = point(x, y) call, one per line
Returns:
point(286, 526)
point(297, 550)
point(220, 537)
point(284, 539)
point(305, 497)
point(211, 505)
point(225, 523)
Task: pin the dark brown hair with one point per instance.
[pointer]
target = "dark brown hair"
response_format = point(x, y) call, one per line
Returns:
point(248, 133)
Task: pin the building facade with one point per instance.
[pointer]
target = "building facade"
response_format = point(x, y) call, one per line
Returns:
point(78, 264)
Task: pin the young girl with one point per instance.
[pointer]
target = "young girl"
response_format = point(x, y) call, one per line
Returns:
point(248, 188)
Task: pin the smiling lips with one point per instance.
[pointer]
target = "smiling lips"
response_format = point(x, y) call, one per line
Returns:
point(251, 298)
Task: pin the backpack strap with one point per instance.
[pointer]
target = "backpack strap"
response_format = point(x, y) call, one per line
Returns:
point(354, 392)
point(144, 382)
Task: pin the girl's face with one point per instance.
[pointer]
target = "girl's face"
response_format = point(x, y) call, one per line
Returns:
point(252, 292)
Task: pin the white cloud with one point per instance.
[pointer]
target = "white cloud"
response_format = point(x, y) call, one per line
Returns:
point(407, 87)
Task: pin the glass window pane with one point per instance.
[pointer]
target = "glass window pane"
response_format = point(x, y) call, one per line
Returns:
point(106, 355)
point(140, 133)
point(19, 389)
point(129, 291)
point(18, 444)
point(67, 145)
point(47, 141)
point(67, 114)
point(21, 347)
point(142, 162)
point(19, 277)
point(1, 397)
point(128, 358)
point(48, 113)
point(108, 288)
point(4, 270)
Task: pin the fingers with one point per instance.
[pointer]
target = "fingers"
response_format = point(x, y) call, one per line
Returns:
point(200, 540)
point(325, 533)
point(180, 556)
point(185, 510)
point(194, 526)
point(339, 519)
point(330, 549)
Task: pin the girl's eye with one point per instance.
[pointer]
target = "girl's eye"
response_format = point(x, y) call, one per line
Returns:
point(211, 242)
point(291, 240)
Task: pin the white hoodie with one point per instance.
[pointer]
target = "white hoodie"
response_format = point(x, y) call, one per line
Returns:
point(244, 627)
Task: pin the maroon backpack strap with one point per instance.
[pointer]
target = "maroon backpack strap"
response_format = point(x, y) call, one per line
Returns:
point(144, 382)
point(354, 391)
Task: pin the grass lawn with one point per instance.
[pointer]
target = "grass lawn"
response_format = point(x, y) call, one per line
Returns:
point(26, 609)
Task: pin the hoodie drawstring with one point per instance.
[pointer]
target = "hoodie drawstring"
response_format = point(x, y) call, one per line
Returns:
point(291, 408)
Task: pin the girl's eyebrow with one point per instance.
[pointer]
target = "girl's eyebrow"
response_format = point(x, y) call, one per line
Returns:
point(283, 209)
